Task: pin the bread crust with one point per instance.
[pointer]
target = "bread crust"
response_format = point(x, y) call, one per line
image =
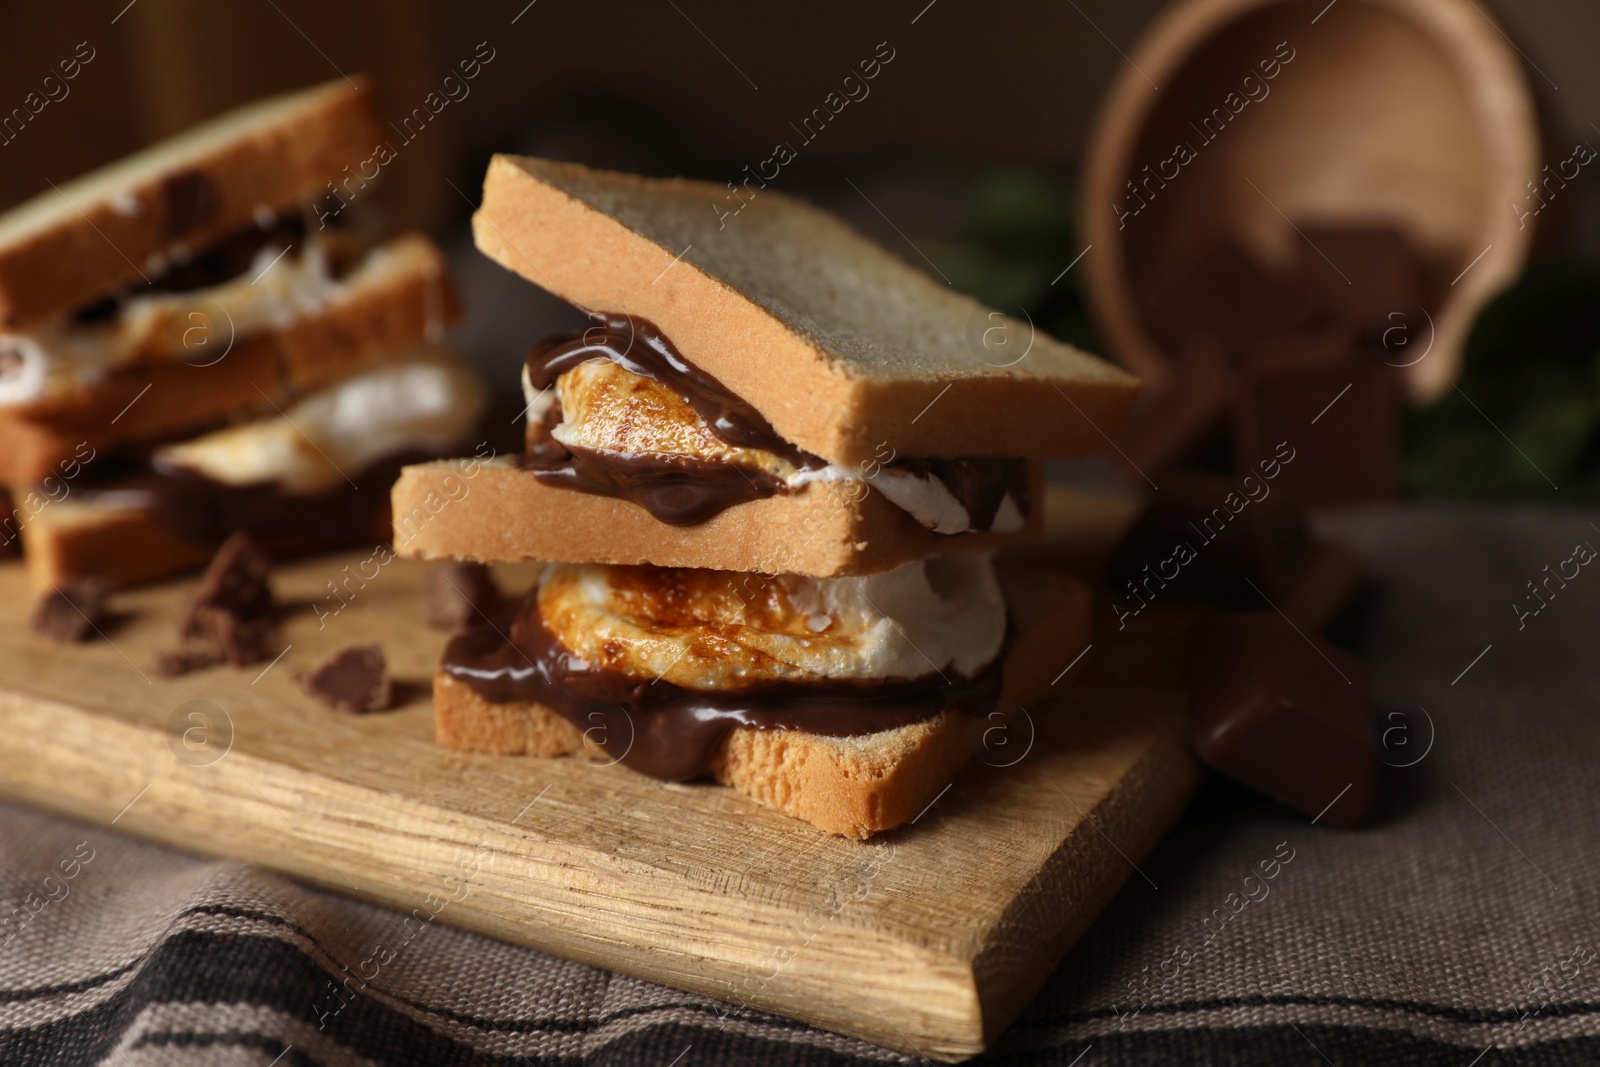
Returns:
point(846, 349)
point(157, 400)
point(494, 512)
point(850, 786)
point(100, 232)
point(119, 546)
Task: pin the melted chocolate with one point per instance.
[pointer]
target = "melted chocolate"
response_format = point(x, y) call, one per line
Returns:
point(189, 198)
point(667, 731)
point(685, 490)
point(283, 524)
point(676, 490)
point(223, 261)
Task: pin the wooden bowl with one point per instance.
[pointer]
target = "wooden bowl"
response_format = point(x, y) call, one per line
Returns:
point(1413, 113)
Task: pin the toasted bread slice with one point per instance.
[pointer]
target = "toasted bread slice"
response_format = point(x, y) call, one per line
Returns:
point(844, 348)
point(72, 245)
point(495, 512)
point(851, 786)
point(401, 297)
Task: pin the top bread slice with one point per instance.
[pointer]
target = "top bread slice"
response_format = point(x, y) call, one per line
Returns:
point(79, 241)
point(846, 349)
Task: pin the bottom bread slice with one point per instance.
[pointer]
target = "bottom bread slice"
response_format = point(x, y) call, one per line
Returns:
point(851, 786)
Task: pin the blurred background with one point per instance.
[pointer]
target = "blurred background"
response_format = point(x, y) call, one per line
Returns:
point(965, 156)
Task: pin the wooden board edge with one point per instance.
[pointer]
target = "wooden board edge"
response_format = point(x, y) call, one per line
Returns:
point(1008, 974)
point(148, 793)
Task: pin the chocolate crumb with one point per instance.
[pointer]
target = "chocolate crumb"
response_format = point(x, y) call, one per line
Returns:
point(460, 594)
point(353, 679)
point(71, 612)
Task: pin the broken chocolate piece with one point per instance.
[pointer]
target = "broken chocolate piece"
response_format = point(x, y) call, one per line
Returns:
point(71, 612)
point(1284, 713)
point(353, 679)
point(237, 581)
point(1214, 540)
point(460, 594)
point(236, 641)
point(231, 618)
point(1310, 349)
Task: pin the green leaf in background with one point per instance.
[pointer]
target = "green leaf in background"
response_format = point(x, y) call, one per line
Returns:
point(1530, 365)
point(1020, 236)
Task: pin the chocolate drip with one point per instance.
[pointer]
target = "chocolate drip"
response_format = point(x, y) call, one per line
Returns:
point(980, 484)
point(668, 731)
point(686, 490)
point(676, 490)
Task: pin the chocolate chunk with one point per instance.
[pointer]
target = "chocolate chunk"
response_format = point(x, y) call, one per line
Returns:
point(1362, 272)
point(1280, 342)
point(460, 594)
point(1208, 539)
point(1284, 713)
point(236, 641)
point(1341, 417)
point(189, 199)
point(71, 612)
point(353, 679)
point(231, 618)
point(237, 581)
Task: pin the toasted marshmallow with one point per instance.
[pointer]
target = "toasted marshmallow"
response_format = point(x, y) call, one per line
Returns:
point(725, 631)
point(606, 408)
point(427, 403)
point(929, 501)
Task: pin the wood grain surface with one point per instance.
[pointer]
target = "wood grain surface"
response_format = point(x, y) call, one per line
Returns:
point(928, 939)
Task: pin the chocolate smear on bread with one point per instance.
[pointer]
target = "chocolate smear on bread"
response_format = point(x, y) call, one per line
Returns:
point(684, 489)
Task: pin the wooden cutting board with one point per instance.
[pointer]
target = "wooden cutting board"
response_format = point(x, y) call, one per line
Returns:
point(929, 939)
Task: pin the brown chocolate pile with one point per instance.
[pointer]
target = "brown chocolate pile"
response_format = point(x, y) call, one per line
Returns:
point(231, 618)
point(353, 679)
point(71, 612)
point(1307, 352)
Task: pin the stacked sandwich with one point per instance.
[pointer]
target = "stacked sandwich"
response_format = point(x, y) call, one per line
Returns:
point(764, 483)
point(188, 347)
